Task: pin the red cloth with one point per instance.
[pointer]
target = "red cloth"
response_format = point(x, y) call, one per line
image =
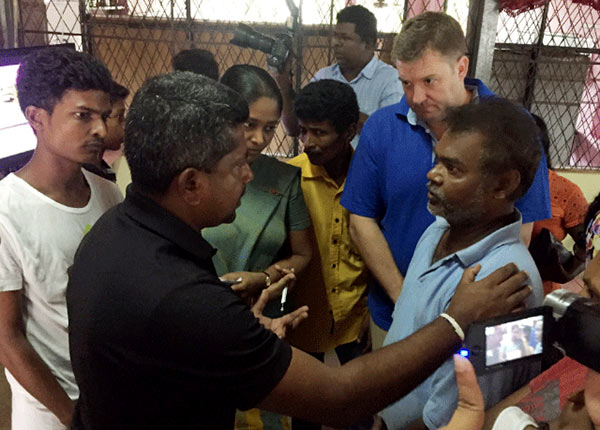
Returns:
point(551, 389)
point(515, 7)
point(593, 3)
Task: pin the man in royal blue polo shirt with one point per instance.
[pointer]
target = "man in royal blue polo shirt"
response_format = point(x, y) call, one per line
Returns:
point(385, 189)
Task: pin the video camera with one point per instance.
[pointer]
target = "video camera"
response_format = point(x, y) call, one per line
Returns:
point(566, 321)
point(278, 48)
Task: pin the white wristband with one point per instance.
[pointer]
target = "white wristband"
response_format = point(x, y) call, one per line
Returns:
point(459, 331)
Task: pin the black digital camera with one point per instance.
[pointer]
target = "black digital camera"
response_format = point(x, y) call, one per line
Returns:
point(277, 48)
point(566, 323)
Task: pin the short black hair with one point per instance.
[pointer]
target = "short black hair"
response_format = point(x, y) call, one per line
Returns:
point(252, 83)
point(198, 61)
point(510, 138)
point(118, 92)
point(543, 136)
point(176, 121)
point(365, 23)
point(328, 100)
point(46, 74)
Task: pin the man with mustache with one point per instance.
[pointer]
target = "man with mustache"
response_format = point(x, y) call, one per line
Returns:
point(334, 284)
point(157, 341)
point(45, 210)
point(486, 160)
point(354, 41)
point(115, 130)
point(385, 190)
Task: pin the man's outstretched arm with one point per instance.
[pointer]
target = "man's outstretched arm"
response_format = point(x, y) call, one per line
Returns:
point(288, 114)
point(341, 396)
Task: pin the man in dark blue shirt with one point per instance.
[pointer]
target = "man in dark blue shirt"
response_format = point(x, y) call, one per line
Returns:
point(385, 189)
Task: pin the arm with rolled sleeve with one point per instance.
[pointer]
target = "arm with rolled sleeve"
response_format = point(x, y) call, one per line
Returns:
point(298, 225)
point(363, 199)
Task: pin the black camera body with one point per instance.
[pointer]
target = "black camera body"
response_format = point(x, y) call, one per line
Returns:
point(577, 328)
point(277, 48)
point(566, 322)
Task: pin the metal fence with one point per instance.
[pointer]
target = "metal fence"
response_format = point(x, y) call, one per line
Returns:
point(545, 58)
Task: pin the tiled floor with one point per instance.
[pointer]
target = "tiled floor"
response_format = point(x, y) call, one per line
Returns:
point(4, 402)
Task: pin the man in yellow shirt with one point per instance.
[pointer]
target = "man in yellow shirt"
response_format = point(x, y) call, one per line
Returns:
point(334, 284)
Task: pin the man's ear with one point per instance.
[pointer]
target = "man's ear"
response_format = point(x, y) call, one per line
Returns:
point(462, 66)
point(372, 45)
point(36, 117)
point(192, 185)
point(350, 132)
point(506, 184)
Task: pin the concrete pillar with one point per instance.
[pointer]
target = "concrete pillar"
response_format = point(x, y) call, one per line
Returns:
point(481, 37)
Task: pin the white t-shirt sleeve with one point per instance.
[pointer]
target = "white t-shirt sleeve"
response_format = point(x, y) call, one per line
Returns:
point(11, 273)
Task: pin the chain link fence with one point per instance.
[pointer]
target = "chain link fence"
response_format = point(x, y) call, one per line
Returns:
point(545, 58)
point(138, 38)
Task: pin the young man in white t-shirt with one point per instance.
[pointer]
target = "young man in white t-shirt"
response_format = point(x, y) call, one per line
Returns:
point(45, 210)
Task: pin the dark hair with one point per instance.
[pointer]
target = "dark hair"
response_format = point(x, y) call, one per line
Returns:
point(509, 138)
point(429, 30)
point(252, 83)
point(198, 61)
point(543, 136)
point(118, 92)
point(46, 74)
point(365, 23)
point(176, 121)
point(328, 100)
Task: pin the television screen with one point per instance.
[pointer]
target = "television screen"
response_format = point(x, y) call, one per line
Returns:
point(16, 136)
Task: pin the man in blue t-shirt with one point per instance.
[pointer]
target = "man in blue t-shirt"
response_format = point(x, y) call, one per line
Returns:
point(385, 189)
point(486, 160)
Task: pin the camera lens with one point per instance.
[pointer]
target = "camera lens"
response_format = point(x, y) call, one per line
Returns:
point(559, 301)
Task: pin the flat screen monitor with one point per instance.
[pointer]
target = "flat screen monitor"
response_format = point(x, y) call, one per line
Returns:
point(17, 140)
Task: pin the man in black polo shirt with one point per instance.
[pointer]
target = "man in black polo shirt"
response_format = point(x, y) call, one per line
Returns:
point(158, 342)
